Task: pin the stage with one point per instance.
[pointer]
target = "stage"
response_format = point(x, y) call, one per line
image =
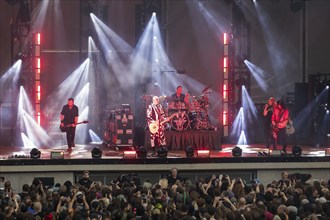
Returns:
point(81, 155)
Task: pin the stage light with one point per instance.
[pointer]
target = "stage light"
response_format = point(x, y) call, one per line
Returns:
point(189, 151)
point(203, 153)
point(57, 155)
point(154, 14)
point(296, 151)
point(129, 154)
point(162, 152)
point(96, 153)
point(236, 151)
point(275, 152)
point(35, 153)
point(142, 152)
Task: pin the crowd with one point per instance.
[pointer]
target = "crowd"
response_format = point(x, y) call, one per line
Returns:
point(216, 197)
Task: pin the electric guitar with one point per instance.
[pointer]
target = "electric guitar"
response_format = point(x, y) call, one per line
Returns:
point(154, 126)
point(63, 128)
point(289, 128)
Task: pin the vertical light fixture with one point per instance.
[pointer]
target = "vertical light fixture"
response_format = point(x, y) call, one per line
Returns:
point(37, 76)
point(225, 68)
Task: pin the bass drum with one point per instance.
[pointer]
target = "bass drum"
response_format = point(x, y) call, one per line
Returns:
point(180, 121)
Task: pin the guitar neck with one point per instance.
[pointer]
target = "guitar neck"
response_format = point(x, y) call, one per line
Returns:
point(70, 125)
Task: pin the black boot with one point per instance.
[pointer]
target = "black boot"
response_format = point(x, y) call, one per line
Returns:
point(284, 149)
point(153, 154)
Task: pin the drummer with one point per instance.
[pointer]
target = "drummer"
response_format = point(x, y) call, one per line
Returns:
point(179, 98)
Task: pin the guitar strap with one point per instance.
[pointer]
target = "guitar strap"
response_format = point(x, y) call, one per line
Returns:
point(156, 112)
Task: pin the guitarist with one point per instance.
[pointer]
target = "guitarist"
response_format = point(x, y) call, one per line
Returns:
point(69, 119)
point(280, 118)
point(155, 112)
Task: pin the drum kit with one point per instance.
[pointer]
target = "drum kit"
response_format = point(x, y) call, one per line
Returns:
point(187, 116)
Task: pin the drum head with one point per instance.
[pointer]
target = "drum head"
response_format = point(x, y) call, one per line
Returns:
point(180, 121)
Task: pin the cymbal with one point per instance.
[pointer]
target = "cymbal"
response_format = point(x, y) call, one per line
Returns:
point(206, 88)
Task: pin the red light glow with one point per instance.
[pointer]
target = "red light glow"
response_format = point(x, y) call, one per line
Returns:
point(38, 63)
point(225, 38)
point(225, 91)
point(224, 118)
point(39, 93)
point(38, 38)
point(225, 62)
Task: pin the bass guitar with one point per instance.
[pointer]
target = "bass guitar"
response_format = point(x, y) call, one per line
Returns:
point(154, 126)
point(63, 128)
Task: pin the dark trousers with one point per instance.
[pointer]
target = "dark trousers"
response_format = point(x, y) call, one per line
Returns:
point(281, 139)
point(268, 135)
point(70, 134)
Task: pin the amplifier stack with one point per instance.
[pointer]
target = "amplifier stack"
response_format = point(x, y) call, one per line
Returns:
point(119, 127)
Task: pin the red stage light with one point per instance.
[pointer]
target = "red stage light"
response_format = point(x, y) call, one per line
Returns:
point(225, 62)
point(203, 153)
point(38, 63)
point(38, 38)
point(224, 92)
point(39, 93)
point(129, 154)
point(224, 118)
point(225, 38)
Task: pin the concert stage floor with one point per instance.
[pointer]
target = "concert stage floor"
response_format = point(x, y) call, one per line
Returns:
point(81, 154)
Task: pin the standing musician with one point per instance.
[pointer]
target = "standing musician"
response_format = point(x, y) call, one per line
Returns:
point(268, 110)
point(179, 97)
point(280, 118)
point(69, 119)
point(155, 115)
